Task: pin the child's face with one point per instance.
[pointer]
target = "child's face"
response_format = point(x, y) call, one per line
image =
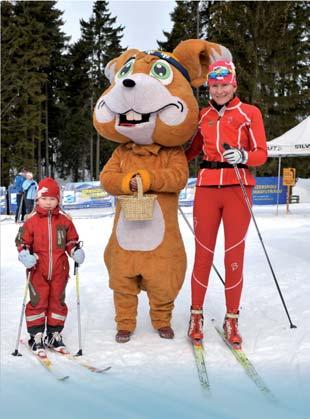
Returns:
point(47, 202)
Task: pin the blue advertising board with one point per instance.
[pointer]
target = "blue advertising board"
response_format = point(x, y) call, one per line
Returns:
point(265, 191)
point(186, 196)
point(91, 195)
point(2, 200)
point(12, 199)
point(85, 195)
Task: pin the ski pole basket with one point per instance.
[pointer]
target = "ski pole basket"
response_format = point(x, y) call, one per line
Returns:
point(138, 207)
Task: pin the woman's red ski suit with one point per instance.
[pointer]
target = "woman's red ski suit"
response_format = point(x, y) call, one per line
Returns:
point(219, 195)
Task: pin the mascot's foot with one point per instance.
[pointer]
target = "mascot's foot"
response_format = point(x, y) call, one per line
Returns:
point(166, 332)
point(122, 336)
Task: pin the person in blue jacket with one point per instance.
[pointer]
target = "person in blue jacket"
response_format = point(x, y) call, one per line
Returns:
point(20, 202)
point(30, 187)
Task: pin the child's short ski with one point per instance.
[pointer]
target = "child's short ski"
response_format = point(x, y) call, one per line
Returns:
point(46, 363)
point(248, 367)
point(67, 355)
point(200, 364)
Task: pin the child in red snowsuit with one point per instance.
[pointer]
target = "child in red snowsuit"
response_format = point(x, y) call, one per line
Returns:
point(219, 195)
point(42, 244)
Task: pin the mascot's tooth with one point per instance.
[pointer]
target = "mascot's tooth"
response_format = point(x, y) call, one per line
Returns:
point(130, 116)
point(137, 116)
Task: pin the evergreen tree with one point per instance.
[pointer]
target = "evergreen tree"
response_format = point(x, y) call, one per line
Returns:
point(31, 45)
point(23, 54)
point(269, 43)
point(52, 111)
point(102, 41)
point(184, 18)
point(77, 118)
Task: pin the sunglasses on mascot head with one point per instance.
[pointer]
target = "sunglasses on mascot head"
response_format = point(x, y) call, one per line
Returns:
point(219, 72)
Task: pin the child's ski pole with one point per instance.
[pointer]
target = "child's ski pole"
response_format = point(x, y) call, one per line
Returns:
point(20, 208)
point(77, 282)
point(16, 353)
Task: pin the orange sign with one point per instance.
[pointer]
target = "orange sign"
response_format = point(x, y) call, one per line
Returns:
point(289, 176)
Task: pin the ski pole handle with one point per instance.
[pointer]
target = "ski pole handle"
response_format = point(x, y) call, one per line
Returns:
point(76, 265)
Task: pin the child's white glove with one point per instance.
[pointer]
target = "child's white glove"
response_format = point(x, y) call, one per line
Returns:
point(235, 156)
point(27, 259)
point(78, 255)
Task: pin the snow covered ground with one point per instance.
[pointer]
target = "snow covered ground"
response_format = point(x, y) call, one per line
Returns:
point(153, 378)
point(302, 189)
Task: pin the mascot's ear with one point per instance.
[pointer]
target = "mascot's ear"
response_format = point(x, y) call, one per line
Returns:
point(109, 70)
point(196, 55)
point(114, 65)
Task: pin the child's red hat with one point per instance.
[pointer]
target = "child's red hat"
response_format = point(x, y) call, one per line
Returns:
point(48, 187)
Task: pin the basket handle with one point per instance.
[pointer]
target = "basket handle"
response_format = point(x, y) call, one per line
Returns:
point(140, 187)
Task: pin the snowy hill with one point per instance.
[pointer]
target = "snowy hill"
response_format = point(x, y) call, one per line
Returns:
point(152, 378)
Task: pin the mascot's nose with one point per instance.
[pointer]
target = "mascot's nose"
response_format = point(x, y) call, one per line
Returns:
point(129, 83)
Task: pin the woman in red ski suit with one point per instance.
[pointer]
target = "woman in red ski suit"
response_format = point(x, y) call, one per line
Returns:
point(42, 242)
point(219, 195)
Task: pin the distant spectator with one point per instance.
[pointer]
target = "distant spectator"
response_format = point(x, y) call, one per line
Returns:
point(20, 203)
point(30, 187)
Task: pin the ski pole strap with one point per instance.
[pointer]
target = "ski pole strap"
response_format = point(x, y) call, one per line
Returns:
point(79, 245)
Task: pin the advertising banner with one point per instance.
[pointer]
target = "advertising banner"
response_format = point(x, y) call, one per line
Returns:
point(91, 195)
point(12, 199)
point(85, 195)
point(265, 191)
point(2, 200)
point(186, 197)
point(289, 176)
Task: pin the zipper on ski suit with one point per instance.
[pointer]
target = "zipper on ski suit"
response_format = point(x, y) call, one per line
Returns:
point(50, 245)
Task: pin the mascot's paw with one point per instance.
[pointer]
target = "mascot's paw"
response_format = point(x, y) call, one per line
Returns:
point(122, 336)
point(166, 332)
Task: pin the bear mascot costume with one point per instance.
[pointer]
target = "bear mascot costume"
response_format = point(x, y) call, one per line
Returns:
point(150, 109)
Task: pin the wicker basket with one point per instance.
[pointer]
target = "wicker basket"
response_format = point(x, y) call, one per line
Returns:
point(138, 207)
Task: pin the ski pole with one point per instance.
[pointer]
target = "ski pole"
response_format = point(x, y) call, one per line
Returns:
point(16, 353)
point(192, 230)
point(228, 147)
point(20, 208)
point(77, 282)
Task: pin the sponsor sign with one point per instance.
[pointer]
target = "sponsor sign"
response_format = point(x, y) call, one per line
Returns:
point(85, 195)
point(91, 195)
point(266, 191)
point(289, 176)
point(2, 200)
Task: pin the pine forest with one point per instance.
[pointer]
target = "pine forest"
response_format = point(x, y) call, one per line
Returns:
point(50, 85)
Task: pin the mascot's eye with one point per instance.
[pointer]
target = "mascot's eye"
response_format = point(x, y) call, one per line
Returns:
point(126, 69)
point(162, 71)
